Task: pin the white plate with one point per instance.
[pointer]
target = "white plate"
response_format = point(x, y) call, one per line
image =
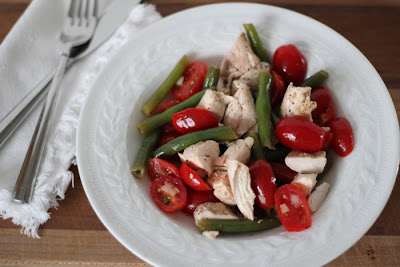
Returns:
point(108, 141)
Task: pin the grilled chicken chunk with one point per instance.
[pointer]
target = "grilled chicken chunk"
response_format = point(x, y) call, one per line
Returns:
point(318, 196)
point(239, 179)
point(296, 101)
point(306, 162)
point(237, 62)
point(219, 181)
point(201, 157)
point(239, 150)
point(216, 102)
point(213, 210)
point(251, 77)
point(241, 113)
point(306, 182)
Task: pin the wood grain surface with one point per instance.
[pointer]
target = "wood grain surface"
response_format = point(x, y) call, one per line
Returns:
point(75, 236)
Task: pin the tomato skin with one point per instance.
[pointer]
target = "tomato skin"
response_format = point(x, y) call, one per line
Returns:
point(325, 110)
point(164, 106)
point(196, 198)
point(342, 136)
point(194, 75)
point(298, 133)
point(263, 183)
point(289, 62)
point(298, 217)
point(193, 119)
point(192, 179)
point(282, 172)
point(278, 88)
point(160, 197)
point(159, 167)
point(167, 136)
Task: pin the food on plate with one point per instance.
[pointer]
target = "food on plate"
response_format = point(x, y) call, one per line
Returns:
point(242, 147)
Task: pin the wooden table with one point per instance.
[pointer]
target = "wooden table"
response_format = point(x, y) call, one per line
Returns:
point(75, 236)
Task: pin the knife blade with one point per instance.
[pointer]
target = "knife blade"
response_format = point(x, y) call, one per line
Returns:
point(112, 18)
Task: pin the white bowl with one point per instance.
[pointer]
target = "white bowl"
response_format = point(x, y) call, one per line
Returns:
point(108, 141)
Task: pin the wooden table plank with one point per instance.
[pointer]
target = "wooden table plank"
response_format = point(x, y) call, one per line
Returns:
point(75, 236)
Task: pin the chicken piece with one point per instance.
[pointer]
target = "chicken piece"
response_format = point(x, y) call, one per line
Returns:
point(296, 101)
point(213, 210)
point(239, 150)
point(219, 181)
point(251, 77)
point(237, 62)
point(240, 181)
point(241, 113)
point(216, 102)
point(201, 157)
point(306, 181)
point(317, 197)
point(306, 162)
point(211, 234)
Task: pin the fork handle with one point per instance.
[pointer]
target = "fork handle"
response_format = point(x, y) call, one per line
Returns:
point(30, 168)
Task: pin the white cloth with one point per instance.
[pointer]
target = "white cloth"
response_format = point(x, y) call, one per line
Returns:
point(29, 51)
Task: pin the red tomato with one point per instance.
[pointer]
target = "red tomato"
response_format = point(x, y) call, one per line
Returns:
point(193, 119)
point(282, 172)
point(167, 136)
point(263, 183)
point(192, 179)
point(342, 136)
point(328, 141)
point(168, 193)
point(164, 106)
point(293, 209)
point(278, 88)
point(196, 198)
point(159, 167)
point(298, 133)
point(193, 80)
point(325, 110)
point(289, 62)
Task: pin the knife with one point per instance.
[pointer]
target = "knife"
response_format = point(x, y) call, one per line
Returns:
point(113, 17)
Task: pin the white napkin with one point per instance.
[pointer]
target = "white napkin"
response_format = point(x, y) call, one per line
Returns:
point(30, 50)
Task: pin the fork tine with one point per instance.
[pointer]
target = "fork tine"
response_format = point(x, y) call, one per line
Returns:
point(90, 8)
point(96, 8)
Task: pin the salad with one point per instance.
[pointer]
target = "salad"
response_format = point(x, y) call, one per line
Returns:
point(242, 147)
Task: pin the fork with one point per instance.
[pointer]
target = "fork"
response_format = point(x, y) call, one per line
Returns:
point(78, 30)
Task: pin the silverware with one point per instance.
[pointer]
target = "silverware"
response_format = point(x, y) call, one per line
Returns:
point(78, 29)
point(114, 16)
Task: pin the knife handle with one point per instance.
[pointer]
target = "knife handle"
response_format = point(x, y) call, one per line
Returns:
point(30, 168)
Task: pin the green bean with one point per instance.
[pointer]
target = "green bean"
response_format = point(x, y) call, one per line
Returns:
point(224, 133)
point(211, 78)
point(166, 86)
point(277, 154)
point(315, 80)
point(255, 42)
point(149, 142)
point(263, 110)
point(257, 152)
point(275, 118)
point(151, 123)
point(237, 226)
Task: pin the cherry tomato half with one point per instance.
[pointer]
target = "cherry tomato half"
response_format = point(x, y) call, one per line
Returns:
point(342, 136)
point(193, 79)
point(298, 133)
point(278, 88)
point(293, 209)
point(196, 198)
point(192, 179)
point(159, 167)
point(164, 106)
point(263, 183)
point(168, 193)
point(289, 62)
point(282, 172)
point(325, 110)
point(193, 119)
